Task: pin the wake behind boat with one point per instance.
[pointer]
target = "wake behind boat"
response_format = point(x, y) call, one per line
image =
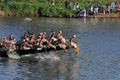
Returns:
point(30, 44)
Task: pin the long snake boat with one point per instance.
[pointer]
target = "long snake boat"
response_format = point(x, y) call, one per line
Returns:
point(30, 44)
point(4, 52)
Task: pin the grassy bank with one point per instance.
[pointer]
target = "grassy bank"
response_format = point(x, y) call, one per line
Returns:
point(44, 7)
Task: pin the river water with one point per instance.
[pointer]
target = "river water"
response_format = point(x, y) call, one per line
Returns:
point(99, 57)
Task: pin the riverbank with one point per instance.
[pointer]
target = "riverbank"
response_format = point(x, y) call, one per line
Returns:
point(55, 8)
point(98, 15)
point(101, 15)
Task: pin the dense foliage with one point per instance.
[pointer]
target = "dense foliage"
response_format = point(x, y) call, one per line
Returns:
point(44, 7)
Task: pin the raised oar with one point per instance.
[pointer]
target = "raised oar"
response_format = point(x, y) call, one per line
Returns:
point(77, 49)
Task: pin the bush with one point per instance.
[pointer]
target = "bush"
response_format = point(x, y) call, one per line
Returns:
point(44, 7)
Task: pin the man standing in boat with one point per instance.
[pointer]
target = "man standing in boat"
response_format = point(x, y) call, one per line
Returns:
point(74, 44)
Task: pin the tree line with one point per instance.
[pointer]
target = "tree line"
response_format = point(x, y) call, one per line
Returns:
point(45, 7)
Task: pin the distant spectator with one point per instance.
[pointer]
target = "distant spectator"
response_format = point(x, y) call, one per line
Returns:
point(67, 4)
point(53, 2)
point(118, 6)
point(113, 5)
point(91, 7)
point(75, 6)
point(85, 13)
point(2, 0)
point(104, 9)
point(81, 14)
point(108, 7)
point(96, 9)
point(94, 13)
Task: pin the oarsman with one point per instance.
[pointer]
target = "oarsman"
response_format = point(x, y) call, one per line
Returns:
point(24, 37)
point(51, 44)
point(52, 34)
point(62, 44)
point(31, 40)
point(44, 35)
point(25, 45)
point(52, 41)
point(44, 41)
point(28, 42)
point(59, 35)
point(4, 42)
point(11, 42)
point(74, 44)
point(53, 38)
point(1, 42)
point(39, 39)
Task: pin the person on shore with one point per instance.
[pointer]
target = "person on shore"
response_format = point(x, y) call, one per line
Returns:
point(84, 13)
point(91, 7)
point(67, 4)
point(77, 6)
point(53, 2)
point(109, 7)
point(81, 14)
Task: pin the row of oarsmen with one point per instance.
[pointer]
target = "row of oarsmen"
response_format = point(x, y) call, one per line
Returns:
point(29, 40)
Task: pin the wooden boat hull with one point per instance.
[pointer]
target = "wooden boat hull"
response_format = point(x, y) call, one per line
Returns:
point(20, 52)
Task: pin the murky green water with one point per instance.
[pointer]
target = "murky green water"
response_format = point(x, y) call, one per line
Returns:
point(99, 58)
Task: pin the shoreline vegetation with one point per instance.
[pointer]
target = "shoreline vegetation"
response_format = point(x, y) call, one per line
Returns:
point(61, 8)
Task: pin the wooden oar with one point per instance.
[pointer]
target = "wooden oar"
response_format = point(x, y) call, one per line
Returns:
point(77, 49)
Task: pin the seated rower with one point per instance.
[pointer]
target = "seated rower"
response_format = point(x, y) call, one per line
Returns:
point(44, 41)
point(59, 35)
point(24, 37)
point(53, 39)
point(38, 40)
point(11, 42)
point(4, 42)
point(1, 42)
point(51, 43)
point(25, 45)
point(62, 44)
point(31, 40)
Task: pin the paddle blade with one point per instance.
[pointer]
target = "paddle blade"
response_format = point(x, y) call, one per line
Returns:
point(77, 50)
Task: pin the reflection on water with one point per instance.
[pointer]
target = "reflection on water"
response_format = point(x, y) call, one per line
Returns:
point(99, 58)
point(39, 70)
